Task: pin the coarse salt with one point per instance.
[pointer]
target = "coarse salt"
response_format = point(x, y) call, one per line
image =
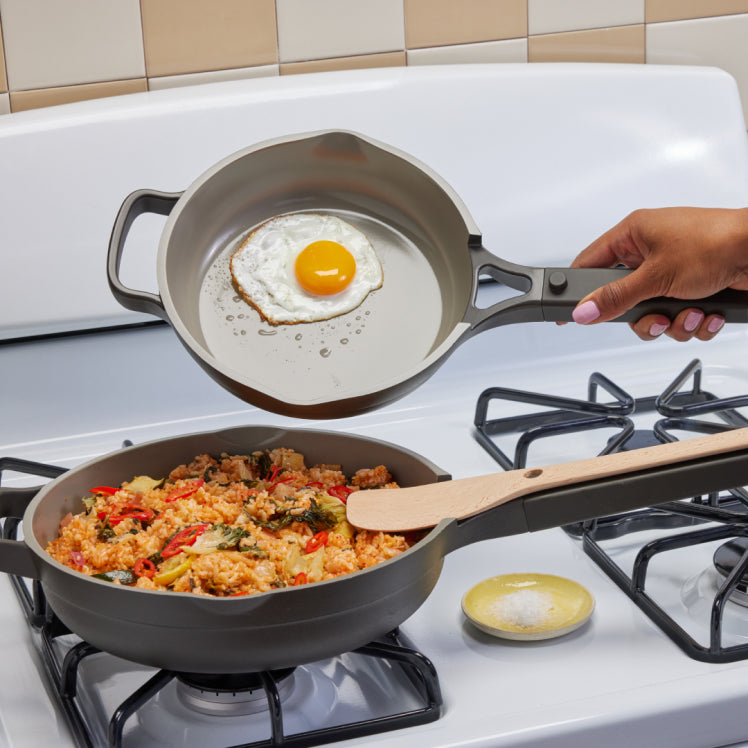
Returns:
point(524, 609)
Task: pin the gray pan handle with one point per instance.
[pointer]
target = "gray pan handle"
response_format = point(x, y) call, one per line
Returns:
point(135, 204)
point(607, 496)
point(15, 556)
point(564, 288)
point(551, 294)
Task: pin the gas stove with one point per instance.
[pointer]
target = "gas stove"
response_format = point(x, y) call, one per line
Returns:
point(74, 386)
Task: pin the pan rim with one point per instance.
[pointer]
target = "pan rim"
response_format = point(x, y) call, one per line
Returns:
point(286, 400)
point(42, 558)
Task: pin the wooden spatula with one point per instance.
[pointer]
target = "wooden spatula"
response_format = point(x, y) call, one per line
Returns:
point(419, 507)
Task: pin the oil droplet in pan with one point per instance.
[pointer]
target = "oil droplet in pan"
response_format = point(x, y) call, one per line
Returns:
point(344, 341)
point(267, 332)
point(325, 352)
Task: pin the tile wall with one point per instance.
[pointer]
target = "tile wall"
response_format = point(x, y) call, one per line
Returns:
point(55, 52)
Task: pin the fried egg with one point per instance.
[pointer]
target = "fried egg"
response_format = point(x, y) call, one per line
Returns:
point(305, 267)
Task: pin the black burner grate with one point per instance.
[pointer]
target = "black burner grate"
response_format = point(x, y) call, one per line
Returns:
point(682, 404)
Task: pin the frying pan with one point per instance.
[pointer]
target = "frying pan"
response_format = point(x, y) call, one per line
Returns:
point(431, 253)
point(294, 625)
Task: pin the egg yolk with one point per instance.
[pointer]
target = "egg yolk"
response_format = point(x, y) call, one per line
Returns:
point(324, 268)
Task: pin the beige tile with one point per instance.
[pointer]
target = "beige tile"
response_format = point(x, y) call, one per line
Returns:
point(550, 16)
point(384, 60)
point(319, 29)
point(21, 100)
point(49, 43)
point(616, 44)
point(213, 76)
point(510, 50)
point(3, 76)
point(192, 36)
point(434, 23)
point(4, 104)
point(677, 10)
point(718, 41)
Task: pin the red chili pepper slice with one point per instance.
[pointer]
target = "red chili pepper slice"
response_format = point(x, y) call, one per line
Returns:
point(273, 478)
point(184, 537)
point(340, 492)
point(144, 567)
point(317, 541)
point(106, 490)
point(185, 491)
point(300, 578)
point(131, 511)
point(314, 484)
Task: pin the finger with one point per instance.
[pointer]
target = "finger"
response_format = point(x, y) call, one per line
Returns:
point(651, 326)
point(617, 297)
point(709, 328)
point(607, 249)
point(686, 325)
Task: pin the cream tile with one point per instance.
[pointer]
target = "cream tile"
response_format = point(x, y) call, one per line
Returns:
point(384, 60)
point(51, 43)
point(36, 99)
point(548, 16)
point(511, 50)
point(616, 44)
point(319, 29)
point(719, 41)
point(435, 23)
point(215, 76)
point(4, 104)
point(193, 36)
point(679, 10)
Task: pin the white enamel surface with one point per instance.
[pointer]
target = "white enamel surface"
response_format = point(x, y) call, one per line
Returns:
point(617, 681)
point(504, 136)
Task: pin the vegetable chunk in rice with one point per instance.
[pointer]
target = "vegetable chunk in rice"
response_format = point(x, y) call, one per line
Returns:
point(226, 526)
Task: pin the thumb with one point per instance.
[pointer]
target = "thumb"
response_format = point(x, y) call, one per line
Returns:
point(615, 298)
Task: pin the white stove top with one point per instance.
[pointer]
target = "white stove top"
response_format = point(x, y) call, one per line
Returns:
point(617, 681)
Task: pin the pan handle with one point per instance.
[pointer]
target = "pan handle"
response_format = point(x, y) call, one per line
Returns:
point(135, 204)
point(15, 556)
point(551, 294)
point(564, 288)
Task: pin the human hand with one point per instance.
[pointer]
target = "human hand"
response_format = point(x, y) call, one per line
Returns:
point(685, 253)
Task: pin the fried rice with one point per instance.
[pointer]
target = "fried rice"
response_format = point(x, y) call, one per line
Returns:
point(227, 526)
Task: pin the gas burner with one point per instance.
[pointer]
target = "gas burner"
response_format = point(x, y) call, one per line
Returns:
point(707, 521)
point(232, 694)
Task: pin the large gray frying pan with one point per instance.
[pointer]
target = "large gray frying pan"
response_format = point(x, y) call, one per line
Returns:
point(291, 626)
point(427, 242)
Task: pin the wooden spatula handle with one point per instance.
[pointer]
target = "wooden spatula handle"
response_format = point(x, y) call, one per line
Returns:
point(425, 506)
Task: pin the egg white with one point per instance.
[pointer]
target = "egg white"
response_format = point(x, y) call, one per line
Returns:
point(263, 268)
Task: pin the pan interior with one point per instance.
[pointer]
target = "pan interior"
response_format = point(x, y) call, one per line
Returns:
point(419, 236)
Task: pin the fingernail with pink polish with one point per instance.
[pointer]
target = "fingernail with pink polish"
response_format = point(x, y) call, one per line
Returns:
point(692, 321)
point(585, 313)
point(715, 325)
point(657, 329)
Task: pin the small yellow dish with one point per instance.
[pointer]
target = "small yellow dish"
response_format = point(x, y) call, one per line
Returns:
point(528, 606)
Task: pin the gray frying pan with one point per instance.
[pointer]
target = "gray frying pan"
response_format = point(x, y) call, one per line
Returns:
point(291, 626)
point(427, 242)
